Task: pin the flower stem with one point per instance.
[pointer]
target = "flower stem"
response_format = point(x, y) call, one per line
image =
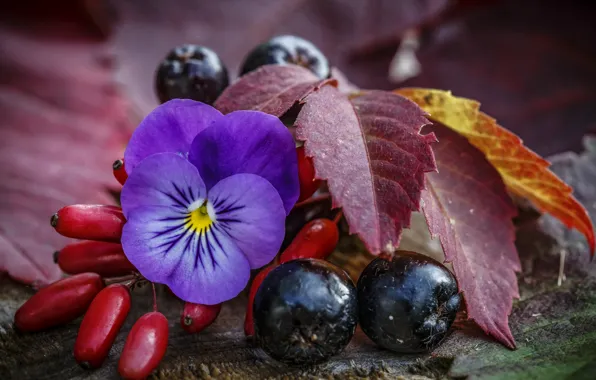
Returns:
point(312, 200)
point(154, 297)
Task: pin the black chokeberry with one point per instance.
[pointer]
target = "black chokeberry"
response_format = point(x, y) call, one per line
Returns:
point(286, 49)
point(408, 304)
point(191, 72)
point(305, 311)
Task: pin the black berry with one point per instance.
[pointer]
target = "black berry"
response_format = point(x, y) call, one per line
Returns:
point(191, 72)
point(282, 50)
point(408, 304)
point(305, 311)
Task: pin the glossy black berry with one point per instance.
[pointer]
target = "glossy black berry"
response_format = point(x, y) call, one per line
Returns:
point(282, 50)
point(305, 311)
point(408, 304)
point(191, 72)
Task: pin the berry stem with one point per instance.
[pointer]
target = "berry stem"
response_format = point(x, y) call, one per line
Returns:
point(154, 297)
point(338, 216)
point(119, 280)
point(318, 198)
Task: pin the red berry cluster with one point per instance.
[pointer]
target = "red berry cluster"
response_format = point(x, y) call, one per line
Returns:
point(99, 288)
point(102, 279)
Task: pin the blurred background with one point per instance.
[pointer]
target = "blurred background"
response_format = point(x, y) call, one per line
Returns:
point(76, 77)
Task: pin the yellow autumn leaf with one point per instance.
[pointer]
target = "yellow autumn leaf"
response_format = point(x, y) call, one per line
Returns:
point(524, 172)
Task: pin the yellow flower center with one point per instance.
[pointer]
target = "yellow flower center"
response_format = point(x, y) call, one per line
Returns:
point(199, 219)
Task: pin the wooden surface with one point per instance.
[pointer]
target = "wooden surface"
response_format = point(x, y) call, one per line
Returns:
point(553, 326)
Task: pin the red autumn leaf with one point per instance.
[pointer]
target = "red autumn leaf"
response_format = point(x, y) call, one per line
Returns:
point(467, 206)
point(61, 115)
point(373, 157)
point(524, 172)
point(272, 89)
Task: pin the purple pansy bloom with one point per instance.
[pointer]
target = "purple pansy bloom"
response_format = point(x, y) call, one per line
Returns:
point(206, 197)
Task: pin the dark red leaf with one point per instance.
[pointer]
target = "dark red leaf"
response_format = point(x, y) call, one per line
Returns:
point(467, 206)
point(373, 157)
point(272, 89)
point(61, 118)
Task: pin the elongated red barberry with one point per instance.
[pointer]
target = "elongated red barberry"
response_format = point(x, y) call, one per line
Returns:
point(106, 259)
point(119, 172)
point(306, 175)
point(101, 324)
point(316, 240)
point(197, 317)
point(89, 222)
point(249, 329)
point(58, 303)
point(145, 346)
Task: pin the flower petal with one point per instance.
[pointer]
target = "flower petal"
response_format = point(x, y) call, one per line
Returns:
point(171, 127)
point(248, 142)
point(155, 239)
point(163, 179)
point(250, 210)
point(213, 269)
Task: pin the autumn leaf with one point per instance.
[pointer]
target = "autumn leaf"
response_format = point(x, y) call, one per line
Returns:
point(525, 173)
point(273, 89)
point(467, 207)
point(370, 151)
point(61, 127)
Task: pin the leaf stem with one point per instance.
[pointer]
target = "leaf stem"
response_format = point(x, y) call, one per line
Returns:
point(318, 198)
point(338, 216)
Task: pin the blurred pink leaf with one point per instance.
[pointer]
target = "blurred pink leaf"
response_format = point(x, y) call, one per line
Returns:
point(148, 29)
point(61, 128)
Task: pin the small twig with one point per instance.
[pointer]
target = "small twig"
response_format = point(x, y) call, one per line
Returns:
point(338, 216)
point(561, 268)
point(319, 198)
point(154, 297)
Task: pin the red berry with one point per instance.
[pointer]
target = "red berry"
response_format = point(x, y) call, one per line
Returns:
point(58, 303)
point(249, 329)
point(105, 259)
point(316, 240)
point(101, 324)
point(119, 172)
point(196, 317)
point(145, 346)
point(90, 222)
point(306, 175)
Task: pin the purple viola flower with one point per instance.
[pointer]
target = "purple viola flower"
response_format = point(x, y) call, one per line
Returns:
point(206, 197)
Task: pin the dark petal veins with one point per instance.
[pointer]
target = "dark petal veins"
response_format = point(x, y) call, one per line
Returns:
point(177, 202)
point(181, 193)
point(181, 218)
point(169, 230)
point(229, 220)
point(209, 249)
point(230, 209)
point(198, 256)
